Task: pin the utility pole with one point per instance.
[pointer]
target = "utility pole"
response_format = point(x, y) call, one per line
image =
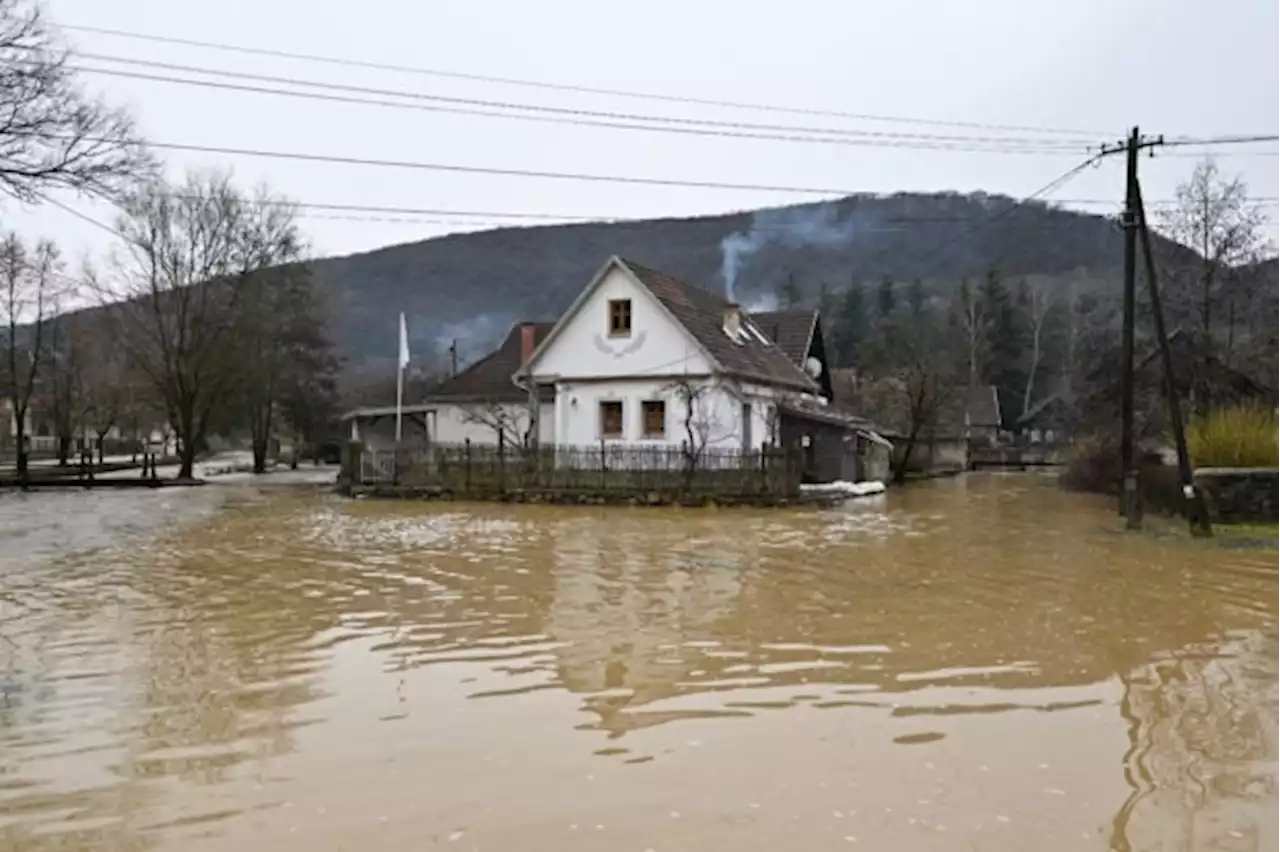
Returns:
point(1197, 514)
point(453, 358)
point(1130, 503)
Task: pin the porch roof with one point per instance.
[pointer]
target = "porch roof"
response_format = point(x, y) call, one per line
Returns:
point(819, 413)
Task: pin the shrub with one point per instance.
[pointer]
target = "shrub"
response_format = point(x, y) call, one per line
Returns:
point(1234, 437)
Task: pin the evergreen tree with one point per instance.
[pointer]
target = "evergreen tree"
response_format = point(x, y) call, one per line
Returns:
point(827, 301)
point(886, 299)
point(849, 325)
point(916, 297)
point(789, 295)
point(1005, 344)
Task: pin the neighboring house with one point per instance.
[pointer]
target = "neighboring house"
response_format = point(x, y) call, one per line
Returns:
point(966, 417)
point(478, 404)
point(798, 334)
point(641, 358)
point(981, 414)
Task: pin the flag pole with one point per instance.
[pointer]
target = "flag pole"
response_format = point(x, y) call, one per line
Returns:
point(402, 361)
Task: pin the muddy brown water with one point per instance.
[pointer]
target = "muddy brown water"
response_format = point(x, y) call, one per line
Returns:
point(985, 663)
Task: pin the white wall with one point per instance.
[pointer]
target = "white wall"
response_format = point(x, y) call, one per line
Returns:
point(657, 345)
point(717, 412)
point(455, 423)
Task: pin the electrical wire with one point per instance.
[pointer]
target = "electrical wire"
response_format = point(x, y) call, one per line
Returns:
point(560, 111)
point(566, 87)
point(585, 122)
point(449, 167)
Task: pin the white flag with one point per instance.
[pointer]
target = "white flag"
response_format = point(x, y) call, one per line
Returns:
point(404, 343)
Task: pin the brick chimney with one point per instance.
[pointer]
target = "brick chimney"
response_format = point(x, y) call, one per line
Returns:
point(526, 341)
point(733, 321)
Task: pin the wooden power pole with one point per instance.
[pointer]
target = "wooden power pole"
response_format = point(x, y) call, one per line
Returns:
point(1130, 502)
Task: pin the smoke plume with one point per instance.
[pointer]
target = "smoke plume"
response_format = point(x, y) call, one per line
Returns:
point(810, 226)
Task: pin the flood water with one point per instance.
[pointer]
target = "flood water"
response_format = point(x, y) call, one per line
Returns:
point(983, 663)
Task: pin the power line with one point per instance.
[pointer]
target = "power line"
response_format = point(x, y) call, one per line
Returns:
point(566, 87)
point(449, 167)
point(561, 111)
point(689, 131)
point(1239, 139)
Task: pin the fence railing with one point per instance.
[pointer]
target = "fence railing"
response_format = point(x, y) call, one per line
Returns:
point(490, 469)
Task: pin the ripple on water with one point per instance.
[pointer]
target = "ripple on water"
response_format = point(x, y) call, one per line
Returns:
point(293, 672)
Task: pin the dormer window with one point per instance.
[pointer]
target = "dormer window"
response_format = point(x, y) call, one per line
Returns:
point(620, 318)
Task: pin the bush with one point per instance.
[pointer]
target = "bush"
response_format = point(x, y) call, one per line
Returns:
point(1093, 465)
point(1234, 437)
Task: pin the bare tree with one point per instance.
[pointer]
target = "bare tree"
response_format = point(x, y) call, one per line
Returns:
point(278, 321)
point(975, 325)
point(1039, 304)
point(62, 395)
point(918, 383)
point(1214, 216)
point(507, 420)
point(177, 288)
point(52, 134)
point(29, 303)
point(700, 421)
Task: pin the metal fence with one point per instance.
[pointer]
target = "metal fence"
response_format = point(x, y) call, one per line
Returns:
point(605, 467)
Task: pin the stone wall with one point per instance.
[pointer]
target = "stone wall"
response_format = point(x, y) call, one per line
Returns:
point(1237, 495)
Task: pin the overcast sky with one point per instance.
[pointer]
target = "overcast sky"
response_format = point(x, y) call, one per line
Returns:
point(1090, 68)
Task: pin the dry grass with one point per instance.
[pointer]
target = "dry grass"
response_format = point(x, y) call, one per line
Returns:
point(1235, 437)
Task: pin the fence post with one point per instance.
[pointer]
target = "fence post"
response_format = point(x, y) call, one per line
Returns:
point(604, 466)
point(466, 464)
point(502, 461)
point(764, 465)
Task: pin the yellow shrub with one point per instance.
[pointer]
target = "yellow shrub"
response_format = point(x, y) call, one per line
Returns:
point(1234, 437)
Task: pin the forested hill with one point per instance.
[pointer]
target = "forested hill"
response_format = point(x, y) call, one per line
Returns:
point(472, 286)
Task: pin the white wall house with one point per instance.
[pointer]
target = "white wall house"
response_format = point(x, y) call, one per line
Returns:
point(475, 405)
point(640, 358)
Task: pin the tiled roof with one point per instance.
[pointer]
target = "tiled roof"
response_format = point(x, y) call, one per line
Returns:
point(489, 379)
point(791, 330)
point(702, 314)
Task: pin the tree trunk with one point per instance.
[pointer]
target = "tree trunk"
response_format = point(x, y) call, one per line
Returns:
point(20, 433)
point(900, 471)
point(64, 450)
point(259, 455)
point(186, 445)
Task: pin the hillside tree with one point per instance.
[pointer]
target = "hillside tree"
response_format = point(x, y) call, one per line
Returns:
point(886, 299)
point(1004, 344)
point(789, 295)
point(849, 324)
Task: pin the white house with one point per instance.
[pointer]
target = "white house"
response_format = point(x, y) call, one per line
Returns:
point(644, 359)
point(476, 405)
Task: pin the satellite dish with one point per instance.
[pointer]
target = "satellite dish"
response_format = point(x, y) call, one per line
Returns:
point(813, 367)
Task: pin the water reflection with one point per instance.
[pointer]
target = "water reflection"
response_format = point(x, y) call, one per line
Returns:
point(981, 663)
